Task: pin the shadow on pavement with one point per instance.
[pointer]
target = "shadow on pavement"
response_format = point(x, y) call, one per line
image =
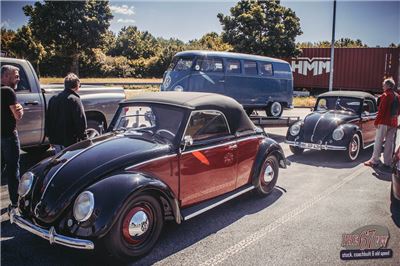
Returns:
point(19, 246)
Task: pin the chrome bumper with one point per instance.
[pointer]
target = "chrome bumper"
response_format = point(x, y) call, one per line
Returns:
point(51, 234)
point(314, 146)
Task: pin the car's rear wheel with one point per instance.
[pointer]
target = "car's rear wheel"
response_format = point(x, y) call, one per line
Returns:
point(268, 176)
point(296, 150)
point(353, 148)
point(137, 229)
point(274, 109)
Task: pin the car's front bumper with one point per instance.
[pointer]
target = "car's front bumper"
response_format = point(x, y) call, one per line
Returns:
point(49, 235)
point(315, 146)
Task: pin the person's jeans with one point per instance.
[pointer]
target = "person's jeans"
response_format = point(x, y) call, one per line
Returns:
point(10, 159)
point(388, 134)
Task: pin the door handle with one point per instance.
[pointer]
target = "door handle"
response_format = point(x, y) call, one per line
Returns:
point(31, 103)
point(232, 147)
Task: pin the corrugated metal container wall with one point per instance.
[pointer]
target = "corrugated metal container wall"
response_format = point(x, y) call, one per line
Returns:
point(354, 68)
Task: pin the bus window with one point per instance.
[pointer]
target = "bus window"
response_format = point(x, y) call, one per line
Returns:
point(210, 65)
point(250, 67)
point(183, 63)
point(266, 69)
point(233, 66)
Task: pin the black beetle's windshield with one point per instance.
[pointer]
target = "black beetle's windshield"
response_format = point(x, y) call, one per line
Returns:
point(156, 119)
point(338, 103)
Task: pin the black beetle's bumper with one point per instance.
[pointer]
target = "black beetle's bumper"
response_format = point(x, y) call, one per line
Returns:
point(315, 146)
point(51, 234)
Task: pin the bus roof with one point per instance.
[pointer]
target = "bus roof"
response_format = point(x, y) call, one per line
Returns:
point(230, 55)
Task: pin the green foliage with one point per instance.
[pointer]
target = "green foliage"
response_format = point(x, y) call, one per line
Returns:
point(134, 44)
point(69, 27)
point(210, 41)
point(341, 43)
point(261, 27)
point(7, 37)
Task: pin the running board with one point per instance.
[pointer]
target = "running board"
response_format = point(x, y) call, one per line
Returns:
point(200, 208)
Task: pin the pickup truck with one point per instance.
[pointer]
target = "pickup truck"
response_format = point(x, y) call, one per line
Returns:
point(100, 104)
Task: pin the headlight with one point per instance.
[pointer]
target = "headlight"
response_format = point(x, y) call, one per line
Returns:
point(84, 206)
point(25, 184)
point(338, 134)
point(178, 88)
point(295, 129)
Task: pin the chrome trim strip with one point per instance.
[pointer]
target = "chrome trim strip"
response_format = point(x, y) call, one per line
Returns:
point(73, 157)
point(222, 144)
point(369, 145)
point(315, 127)
point(218, 203)
point(149, 161)
point(50, 235)
point(314, 145)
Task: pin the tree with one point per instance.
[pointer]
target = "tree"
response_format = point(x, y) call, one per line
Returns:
point(135, 44)
point(7, 37)
point(69, 27)
point(261, 27)
point(25, 46)
point(210, 41)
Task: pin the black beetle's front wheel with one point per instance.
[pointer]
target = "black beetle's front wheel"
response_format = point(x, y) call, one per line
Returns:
point(353, 149)
point(268, 176)
point(137, 229)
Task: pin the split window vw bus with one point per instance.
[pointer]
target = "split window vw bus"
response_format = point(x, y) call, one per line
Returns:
point(256, 82)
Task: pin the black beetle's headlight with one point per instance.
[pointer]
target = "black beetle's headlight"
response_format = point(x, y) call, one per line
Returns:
point(338, 134)
point(25, 184)
point(83, 206)
point(295, 129)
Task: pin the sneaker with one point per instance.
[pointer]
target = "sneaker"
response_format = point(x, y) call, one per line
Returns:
point(370, 164)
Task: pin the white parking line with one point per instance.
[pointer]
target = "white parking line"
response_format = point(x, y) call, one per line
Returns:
point(253, 238)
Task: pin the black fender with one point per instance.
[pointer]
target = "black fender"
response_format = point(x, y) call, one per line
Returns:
point(267, 147)
point(110, 195)
point(349, 131)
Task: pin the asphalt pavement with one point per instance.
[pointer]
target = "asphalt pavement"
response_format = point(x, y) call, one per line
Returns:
point(318, 198)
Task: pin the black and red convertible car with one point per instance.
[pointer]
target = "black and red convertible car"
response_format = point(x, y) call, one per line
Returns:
point(167, 156)
point(341, 121)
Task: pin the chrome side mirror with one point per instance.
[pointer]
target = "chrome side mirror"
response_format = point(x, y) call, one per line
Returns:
point(187, 141)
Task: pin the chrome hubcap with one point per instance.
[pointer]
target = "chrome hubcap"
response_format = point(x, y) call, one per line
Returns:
point(138, 224)
point(268, 174)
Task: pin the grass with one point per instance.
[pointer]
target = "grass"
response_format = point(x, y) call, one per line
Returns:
point(304, 101)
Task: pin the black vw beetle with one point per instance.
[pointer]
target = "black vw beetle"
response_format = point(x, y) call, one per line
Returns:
point(341, 121)
point(167, 156)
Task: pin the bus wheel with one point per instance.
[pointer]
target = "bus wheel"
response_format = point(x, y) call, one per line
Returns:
point(274, 109)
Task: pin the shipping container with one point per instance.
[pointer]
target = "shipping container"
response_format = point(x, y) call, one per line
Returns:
point(354, 68)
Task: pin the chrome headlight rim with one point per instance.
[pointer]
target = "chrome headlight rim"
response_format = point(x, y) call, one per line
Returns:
point(178, 88)
point(78, 201)
point(338, 134)
point(294, 130)
point(25, 184)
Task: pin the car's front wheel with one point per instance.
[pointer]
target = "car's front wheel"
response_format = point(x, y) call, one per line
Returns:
point(137, 229)
point(296, 150)
point(268, 176)
point(353, 148)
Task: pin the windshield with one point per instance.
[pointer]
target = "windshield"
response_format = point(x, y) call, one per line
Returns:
point(155, 119)
point(338, 103)
point(181, 63)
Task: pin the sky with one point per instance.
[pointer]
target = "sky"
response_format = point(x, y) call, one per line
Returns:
point(375, 23)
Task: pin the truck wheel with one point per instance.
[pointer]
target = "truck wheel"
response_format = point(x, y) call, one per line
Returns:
point(296, 150)
point(274, 109)
point(39, 149)
point(137, 228)
point(93, 128)
point(268, 176)
point(353, 148)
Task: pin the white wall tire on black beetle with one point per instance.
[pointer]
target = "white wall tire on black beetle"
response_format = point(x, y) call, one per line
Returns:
point(353, 148)
point(137, 228)
point(268, 176)
point(274, 109)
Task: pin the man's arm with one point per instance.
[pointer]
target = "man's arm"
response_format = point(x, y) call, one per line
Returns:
point(17, 111)
point(79, 119)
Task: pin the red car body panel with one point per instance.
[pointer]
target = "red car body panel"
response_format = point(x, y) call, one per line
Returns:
point(207, 173)
point(247, 151)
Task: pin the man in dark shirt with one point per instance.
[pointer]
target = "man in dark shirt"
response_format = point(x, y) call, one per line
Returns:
point(65, 117)
point(11, 111)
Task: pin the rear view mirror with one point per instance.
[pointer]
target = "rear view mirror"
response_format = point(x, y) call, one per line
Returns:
point(187, 142)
